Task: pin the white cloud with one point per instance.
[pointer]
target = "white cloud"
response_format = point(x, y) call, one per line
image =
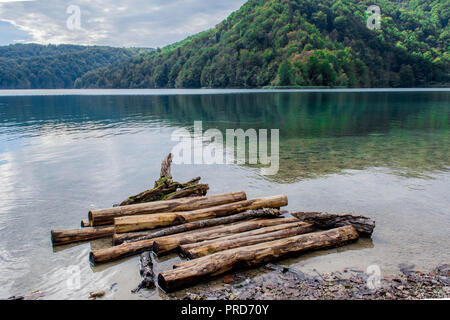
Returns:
point(139, 23)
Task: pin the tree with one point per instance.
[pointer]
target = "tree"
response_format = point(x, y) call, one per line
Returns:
point(407, 79)
point(285, 74)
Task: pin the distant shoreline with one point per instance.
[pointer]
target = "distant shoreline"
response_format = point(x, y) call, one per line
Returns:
point(156, 92)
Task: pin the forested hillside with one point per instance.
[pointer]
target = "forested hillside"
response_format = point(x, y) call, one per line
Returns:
point(300, 43)
point(32, 66)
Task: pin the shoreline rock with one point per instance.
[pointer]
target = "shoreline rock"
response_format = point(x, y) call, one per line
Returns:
point(278, 283)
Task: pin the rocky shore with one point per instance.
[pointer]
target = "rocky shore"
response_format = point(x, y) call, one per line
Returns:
point(279, 283)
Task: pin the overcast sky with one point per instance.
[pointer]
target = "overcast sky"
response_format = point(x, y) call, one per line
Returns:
point(124, 23)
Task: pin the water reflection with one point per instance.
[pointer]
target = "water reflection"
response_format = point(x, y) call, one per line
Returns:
point(63, 155)
point(321, 133)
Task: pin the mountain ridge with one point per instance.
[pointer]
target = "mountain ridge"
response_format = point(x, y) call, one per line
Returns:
point(34, 66)
point(299, 43)
point(265, 43)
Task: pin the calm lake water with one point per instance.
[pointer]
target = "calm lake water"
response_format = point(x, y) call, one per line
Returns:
point(384, 154)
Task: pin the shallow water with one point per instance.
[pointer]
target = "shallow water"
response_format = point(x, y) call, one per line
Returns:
point(62, 153)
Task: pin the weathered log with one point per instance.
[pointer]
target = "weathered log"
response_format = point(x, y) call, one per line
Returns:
point(145, 235)
point(106, 216)
point(249, 238)
point(169, 243)
point(324, 220)
point(133, 248)
point(62, 237)
point(153, 221)
point(146, 271)
point(285, 224)
point(127, 249)
point(85, 223)
point(216, 264)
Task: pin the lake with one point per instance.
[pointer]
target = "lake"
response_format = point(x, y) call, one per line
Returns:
point(380, 153)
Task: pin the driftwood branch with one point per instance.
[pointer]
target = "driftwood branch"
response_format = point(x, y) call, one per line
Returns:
point(194, 190)
point(147, 270)
point(324, 220)
point(165, 188)
point(166, 167)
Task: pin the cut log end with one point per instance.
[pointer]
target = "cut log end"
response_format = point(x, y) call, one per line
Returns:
point(85, 223)
point(91, 218)
point(163, 283)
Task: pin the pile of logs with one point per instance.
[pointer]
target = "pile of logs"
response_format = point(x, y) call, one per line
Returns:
point(218, 233)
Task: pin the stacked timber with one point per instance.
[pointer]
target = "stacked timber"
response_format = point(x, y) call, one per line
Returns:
point(200, 249)
point(169, 218)
point(103, 220)
point(218, 233)
point(170, 243)
point(193, 271)
point(145, 235)
point(166, 240)
point(108, 216)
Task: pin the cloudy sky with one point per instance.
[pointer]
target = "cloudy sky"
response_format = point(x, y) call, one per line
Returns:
point(121, 23)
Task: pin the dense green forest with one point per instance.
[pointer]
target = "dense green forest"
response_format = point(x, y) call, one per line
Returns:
point(33, 66)
point(300, 43)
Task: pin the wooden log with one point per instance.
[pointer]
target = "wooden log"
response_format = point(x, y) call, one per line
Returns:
point(126, 249)
point(153, 221)
point(169, 243)
point(106, 216)
point(249, 238)
point(324, 220)
point(196, 190)
point(62, 237)
point(216, 264)
point(146, 271)
point(138, 236)
point(85, 223)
